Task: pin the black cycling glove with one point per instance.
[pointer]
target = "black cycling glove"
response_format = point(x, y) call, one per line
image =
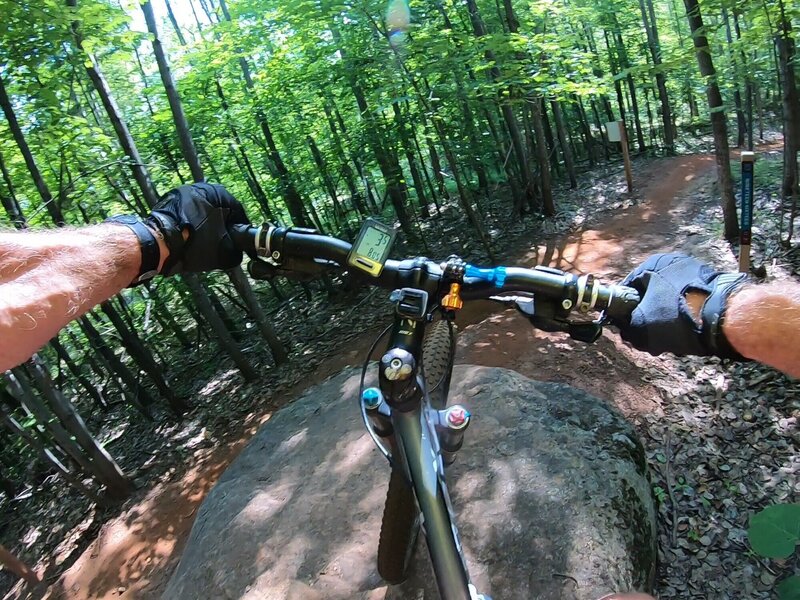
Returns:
point(206, 211)
point(663, 321)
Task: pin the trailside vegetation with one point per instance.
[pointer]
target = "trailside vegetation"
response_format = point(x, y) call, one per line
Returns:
point(317, 113)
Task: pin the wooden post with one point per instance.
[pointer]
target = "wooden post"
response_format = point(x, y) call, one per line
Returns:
point(623, 139)
point(745, 230)
point(616, 133)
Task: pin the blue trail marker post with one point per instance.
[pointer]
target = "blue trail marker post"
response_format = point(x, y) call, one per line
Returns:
point(746, 228)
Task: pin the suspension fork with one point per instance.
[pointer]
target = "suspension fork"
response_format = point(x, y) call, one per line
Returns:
point(417, 446)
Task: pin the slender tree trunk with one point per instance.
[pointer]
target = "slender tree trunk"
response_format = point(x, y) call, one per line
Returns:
point(548, 207)
point(137, 394)
point(741, 122)
point(294, 202)
point(625, 64)
point(566, 151)
point(124, 136)
point(47, 199)
point(664, 111)
point(191, 157)
point(144, 359)
point(104, 468)
point(339, 215)
point(263, 323)
point(390, 168)
point(791, 104)
point(719, 126)
point(748, 86)
point(46, 455)
point(87, 385)
point(347, 171)
point(181, 124)
point(9, 200)
point(18, 380)
point(408, 148)
point(526, 173)
point(214, 320)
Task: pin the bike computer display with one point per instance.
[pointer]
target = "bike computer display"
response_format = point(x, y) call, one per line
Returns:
point(371, 248)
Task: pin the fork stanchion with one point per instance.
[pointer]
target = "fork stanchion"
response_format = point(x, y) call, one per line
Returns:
point(746, 228)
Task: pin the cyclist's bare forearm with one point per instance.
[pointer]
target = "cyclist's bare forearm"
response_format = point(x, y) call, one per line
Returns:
point(763, 323)
point(49, 278)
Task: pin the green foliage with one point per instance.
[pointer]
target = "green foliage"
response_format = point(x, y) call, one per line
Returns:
point(789, 588)
point(775, 531)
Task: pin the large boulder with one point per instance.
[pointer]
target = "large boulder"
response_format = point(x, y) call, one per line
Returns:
point(550, 489)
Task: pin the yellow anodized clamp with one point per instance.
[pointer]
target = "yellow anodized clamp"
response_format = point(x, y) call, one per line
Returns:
point(453, 300)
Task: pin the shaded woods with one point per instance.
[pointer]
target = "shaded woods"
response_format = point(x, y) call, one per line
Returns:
point(318, 113)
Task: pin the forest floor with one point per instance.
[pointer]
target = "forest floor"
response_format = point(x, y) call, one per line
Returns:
point(721, 438)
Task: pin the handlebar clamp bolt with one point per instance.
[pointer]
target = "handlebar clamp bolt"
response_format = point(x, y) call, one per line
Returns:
point(276, 255)
point(567, 304)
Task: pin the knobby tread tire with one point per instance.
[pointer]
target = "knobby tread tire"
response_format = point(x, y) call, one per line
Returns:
point(399, 530)
point(436, 352)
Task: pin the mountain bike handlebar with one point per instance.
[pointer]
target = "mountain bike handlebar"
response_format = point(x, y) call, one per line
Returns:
point(304, 251)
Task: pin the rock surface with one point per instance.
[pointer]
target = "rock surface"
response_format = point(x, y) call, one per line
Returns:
point(550, 490)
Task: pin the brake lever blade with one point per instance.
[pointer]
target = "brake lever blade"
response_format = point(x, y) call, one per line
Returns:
point(524, 304)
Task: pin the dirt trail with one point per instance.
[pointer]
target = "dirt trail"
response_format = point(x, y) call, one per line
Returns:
point(135, 553)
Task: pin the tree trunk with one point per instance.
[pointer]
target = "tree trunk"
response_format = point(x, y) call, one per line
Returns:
point(137, 394)
point(141, 354)
point(265, 327)
point(19, 388)
point(390, 168)
point(9, 200)
point(339, 215)
point(625, 64)
point(103, 467)
point(527, 178)
point(408, 148)
point(181, 124)
point(347, 171)
point(140, 173)
point(46, 455)
point(294, 202)
point(665, 111)
point(47, 199)
point(791, 104)
point(741, 122)
point(216, 324)
point(566, 151)
point(87, 385)
point(719, 126)
point(548, 207)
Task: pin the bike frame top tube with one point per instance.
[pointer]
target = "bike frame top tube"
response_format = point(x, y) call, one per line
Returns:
point(417, 449)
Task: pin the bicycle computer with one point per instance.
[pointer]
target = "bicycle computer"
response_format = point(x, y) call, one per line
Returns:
point(371, 248)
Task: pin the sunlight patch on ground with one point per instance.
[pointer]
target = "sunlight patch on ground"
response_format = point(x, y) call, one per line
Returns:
point(354, 453)
point(216, 384)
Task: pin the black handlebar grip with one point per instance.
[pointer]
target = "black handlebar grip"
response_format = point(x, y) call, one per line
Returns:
point(244, 238)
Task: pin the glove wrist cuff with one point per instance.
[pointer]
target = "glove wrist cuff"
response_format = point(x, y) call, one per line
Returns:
point(173, 239)
point(148, 244)
point(713, 315)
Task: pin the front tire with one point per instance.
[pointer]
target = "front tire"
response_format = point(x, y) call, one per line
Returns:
point(437, 353)
point(399, 529)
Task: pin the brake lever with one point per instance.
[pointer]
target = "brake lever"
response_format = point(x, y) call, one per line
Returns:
point(582, 331)
point(296, 269)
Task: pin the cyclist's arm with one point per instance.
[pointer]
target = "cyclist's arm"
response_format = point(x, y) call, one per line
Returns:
point(763, 323)
point(49, 278)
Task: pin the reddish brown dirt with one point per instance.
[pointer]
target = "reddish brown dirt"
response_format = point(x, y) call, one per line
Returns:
point(134, 554)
